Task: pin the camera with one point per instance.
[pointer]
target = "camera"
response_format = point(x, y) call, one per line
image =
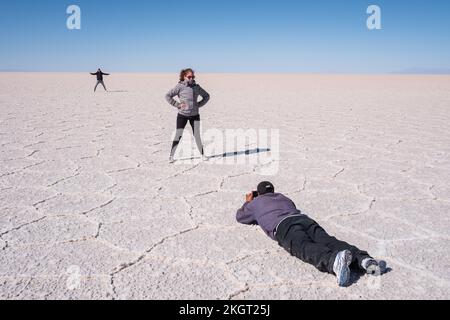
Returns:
point(255, 194)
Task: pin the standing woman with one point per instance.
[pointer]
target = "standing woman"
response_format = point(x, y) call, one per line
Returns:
point(188, 92)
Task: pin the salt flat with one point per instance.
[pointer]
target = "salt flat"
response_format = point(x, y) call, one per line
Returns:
point(91, 208)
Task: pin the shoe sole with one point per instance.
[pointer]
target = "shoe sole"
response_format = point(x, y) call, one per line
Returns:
point(344, 266)
point(373, 270)
point(377, 270)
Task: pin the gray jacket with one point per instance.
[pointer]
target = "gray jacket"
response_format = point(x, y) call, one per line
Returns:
point(268, 211)
point(188, 93)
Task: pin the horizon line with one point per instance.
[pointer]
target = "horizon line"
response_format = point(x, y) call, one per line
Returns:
point(444, 72)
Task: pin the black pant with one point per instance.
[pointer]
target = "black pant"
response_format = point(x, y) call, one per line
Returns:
point(100, 82)
point(303, 238)
point(181, 124)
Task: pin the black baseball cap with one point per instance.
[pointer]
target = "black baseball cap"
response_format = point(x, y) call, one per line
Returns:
point(265, 187)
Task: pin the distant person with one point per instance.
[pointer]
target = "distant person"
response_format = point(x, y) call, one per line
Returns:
point(188, 107)
point(100, 75)
point(302, 237)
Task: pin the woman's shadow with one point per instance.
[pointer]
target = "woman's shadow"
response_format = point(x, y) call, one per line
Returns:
point(232, 154)
point(239, 153)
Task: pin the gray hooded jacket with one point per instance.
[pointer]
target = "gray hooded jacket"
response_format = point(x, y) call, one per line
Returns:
point(188, 92)
point(268, 211)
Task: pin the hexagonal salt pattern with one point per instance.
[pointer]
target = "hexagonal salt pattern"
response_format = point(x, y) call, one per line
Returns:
point(90, 208)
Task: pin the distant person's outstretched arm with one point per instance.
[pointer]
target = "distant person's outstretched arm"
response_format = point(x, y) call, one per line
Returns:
point(205, 97)
point(105, 74)
point(94, 74)
point(173, 93)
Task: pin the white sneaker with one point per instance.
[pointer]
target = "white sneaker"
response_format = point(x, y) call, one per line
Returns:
point(342, 267)
point(205, 158)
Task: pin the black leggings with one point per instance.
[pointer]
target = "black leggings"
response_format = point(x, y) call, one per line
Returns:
point(181, 124)
point(305, 239)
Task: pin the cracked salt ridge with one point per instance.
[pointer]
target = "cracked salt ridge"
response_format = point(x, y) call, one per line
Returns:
point(99, 151)
point(35, 205)
point(219, 189)
point(204, 194)
point(3, 244)
point(338, 173)
point(73, 128)
point(303, 188)
point(66, 178)
point(299, 285)
point(219, 275)
point(432, 196)
point(8, 174)
point(191, 209)
point(34, 165)
point(289, 287)
point(177, 174)
point(230, 177)
point(257, 253)
point(69, 147)
point(121, 170)
point(422, 272)
point(34, 144)
point(351, 214)
point(247, 286)
point(77, 240)
point(239, 292)
point(55, 285)
point(21, 158)
point(99, 207)
point(22, 226)
point(21, 169)
point(390, 258)
point(125, 266)
point(32, 154)
point(427, 232)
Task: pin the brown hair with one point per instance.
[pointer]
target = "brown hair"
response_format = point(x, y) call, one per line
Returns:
point(184, 72)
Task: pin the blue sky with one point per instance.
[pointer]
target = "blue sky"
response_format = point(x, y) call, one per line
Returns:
point(324, 36)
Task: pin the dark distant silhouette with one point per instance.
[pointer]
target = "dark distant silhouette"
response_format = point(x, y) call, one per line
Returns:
point(100, 75)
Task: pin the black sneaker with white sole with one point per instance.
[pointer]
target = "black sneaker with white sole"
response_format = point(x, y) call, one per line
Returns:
point(376, 267)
